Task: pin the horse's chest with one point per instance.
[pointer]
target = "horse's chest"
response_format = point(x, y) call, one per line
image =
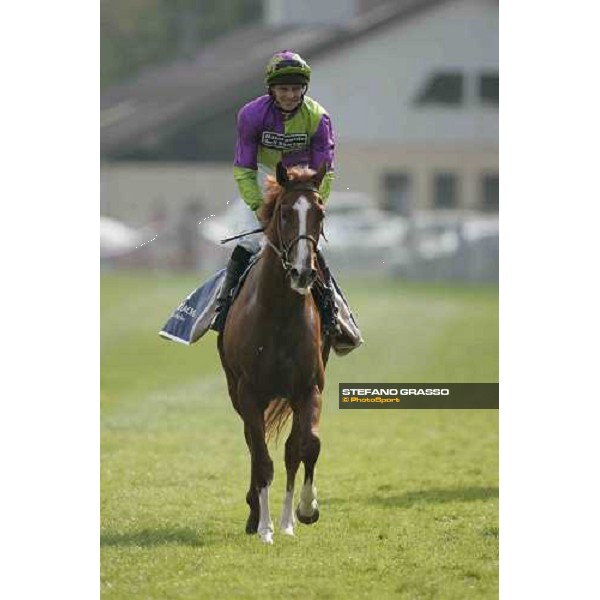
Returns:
point(283, 361)
point(282, 366)
point(277, 359)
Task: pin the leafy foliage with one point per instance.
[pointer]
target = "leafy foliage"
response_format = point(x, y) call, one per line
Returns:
point(137, 33)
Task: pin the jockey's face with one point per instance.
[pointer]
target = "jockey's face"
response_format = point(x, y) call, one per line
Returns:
point(287, 96)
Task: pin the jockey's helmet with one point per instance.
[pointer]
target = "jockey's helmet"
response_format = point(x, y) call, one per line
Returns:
point(287, 68)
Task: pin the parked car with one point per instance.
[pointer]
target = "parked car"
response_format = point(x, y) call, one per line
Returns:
point(116, 238)
point(353, 220)
point(448, 246)
point(230, 222)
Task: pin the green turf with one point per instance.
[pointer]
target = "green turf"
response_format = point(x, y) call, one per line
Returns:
point(409, 499)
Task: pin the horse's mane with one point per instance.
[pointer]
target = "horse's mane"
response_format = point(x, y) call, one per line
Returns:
point(273, 190)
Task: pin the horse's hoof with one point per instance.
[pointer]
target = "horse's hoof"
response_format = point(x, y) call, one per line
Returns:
point(267, 537)
point(308, 520)
point(288, 530)
point(251, 525)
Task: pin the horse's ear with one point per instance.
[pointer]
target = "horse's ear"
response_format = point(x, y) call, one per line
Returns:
point(282, 176)
point(318, 178)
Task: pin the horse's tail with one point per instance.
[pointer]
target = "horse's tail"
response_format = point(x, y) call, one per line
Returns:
point(276, 416)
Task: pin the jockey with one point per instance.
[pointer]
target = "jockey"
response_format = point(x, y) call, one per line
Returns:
point(283, 125)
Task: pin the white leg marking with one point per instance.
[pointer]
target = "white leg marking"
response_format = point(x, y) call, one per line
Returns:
point(265, 525)
point(302, 206)
point(287, 514)
point(308, 500)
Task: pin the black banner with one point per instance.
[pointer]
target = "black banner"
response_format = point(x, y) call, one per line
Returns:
point(419, 395)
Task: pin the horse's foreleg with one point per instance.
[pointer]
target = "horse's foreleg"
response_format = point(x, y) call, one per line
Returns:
point(252, 495)
point(292, 462)
point(309, 413)
point(325, 350)
point(261, 464)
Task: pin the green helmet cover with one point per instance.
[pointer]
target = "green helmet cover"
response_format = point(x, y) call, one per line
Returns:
point(285, 65)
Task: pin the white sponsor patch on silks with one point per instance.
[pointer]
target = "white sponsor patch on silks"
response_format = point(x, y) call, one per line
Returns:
point(302, 206)
point(265, 525)
point(283, 141)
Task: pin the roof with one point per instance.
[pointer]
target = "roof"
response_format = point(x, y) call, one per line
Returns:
point(162, 99)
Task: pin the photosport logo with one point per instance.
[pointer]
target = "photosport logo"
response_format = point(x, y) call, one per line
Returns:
point(419, 395)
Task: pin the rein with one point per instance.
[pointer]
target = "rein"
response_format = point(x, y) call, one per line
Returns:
point(283, 251)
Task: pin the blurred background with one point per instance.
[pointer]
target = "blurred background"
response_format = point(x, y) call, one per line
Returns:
point(411, 86)
point(412, 90)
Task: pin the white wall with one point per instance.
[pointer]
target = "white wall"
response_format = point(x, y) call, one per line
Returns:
point(377, 78)
point(361, 167)
point(291, 12)
point(134, 192)
point(156, 197)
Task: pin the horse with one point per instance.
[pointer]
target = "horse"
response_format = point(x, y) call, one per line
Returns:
point(272, 349)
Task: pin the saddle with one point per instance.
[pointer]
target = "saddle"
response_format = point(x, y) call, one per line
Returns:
point(194, 315)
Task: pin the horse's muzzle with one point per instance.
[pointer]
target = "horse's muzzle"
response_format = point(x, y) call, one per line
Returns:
point(302, 280)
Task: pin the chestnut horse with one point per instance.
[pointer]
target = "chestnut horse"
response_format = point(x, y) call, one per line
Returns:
point(272, 351)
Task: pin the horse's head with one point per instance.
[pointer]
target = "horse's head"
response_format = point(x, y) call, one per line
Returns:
point(293, 216)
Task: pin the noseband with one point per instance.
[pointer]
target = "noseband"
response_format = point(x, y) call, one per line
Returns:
point(283, 251)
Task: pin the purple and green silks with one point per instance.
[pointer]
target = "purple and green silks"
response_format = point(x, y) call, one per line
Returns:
point(264, 138)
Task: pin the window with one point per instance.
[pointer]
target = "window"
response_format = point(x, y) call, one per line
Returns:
point(445, 190)
point(490, 192)
point(489, 87)
point(397, 193)
point(443, 88)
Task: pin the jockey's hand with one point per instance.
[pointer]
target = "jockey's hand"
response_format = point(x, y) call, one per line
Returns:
point(260, 215)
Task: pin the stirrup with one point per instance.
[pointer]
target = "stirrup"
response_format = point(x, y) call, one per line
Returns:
point(348, 336)
point(218, 323)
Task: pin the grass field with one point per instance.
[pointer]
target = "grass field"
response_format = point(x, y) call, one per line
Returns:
point(409, 498)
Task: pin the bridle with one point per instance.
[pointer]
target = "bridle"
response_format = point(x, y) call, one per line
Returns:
point(283, 251)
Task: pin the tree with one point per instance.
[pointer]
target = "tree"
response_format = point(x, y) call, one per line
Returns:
point(137, 33)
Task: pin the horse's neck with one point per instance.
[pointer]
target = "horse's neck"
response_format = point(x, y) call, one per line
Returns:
point(274, 289)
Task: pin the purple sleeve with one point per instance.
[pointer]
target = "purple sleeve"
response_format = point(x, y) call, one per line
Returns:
point(246, 146)
point(322, 145)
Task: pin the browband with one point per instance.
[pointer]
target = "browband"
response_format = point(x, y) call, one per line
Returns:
point(300, 186)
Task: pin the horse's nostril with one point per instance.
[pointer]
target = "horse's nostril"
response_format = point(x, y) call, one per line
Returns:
point(313, 274)
point(295, 273)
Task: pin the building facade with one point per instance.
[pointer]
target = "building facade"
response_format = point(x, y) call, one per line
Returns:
point(412, 87)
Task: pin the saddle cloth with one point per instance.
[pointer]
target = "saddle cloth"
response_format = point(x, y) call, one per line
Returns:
point(192, 318)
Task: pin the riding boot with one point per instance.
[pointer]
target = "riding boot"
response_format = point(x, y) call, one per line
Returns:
point(339, 323)
point(235, 268)
point(325, 299)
